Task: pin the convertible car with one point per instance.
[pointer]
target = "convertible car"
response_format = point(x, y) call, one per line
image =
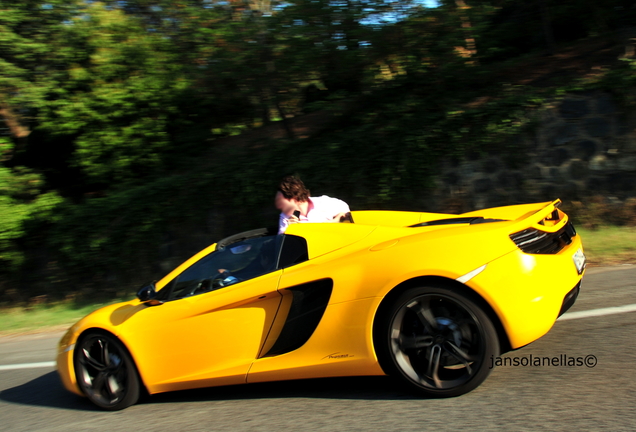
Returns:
point(427, 298)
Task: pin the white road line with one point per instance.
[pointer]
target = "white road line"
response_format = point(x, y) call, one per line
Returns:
point(598, 312)
point(27, 366)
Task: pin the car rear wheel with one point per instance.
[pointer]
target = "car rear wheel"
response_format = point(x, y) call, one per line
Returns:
point(105, 372)
point(437, 340)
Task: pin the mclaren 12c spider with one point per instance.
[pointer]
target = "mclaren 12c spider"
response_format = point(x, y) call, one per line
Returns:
point(428, 298)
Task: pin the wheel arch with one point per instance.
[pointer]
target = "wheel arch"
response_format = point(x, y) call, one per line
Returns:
point(83, 334)
point(395, 292)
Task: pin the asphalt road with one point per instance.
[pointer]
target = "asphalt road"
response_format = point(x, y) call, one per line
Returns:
point(512, 398)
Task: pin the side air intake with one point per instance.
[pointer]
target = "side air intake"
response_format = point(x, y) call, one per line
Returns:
point(308, 305)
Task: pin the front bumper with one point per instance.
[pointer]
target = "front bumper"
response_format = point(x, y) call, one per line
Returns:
point(570, 298)
point(64, 360)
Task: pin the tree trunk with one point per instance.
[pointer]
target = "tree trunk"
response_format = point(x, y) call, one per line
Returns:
point(18, 131)
point(471, 48)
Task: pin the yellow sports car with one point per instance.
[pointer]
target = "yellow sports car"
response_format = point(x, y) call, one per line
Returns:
point(428, 298)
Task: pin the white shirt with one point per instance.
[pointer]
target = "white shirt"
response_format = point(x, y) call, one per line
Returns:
point(323, 210)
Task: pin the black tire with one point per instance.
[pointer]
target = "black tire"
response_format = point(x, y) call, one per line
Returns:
point(438, 341)
point(105, 372)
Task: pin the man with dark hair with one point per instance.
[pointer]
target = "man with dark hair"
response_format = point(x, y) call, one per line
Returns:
point(292, 195)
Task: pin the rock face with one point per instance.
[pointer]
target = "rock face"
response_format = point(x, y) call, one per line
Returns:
point(584, 146)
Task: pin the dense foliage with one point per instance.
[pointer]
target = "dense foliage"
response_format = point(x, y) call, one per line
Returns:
point(114, 116)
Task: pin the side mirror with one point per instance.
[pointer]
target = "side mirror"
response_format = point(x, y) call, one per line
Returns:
point(147, 293)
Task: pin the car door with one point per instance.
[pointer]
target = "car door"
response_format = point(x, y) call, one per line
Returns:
point(207, 336)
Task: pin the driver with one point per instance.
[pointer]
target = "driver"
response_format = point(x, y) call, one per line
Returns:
point(292, 195)
point(261, 264)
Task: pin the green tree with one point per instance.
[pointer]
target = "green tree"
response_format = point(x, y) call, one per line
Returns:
point(28, 65)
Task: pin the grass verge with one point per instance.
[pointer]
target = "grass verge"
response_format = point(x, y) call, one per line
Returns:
point(608, 246)
point(43, 317)
point(605, 246)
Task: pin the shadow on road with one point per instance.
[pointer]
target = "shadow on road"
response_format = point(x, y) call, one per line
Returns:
point(47, 391)
point(361, 388)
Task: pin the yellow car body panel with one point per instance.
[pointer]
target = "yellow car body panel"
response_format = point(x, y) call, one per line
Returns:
point(323, 239)
point(191, 325)
point(230, 335)
point(205, 328)
point(341, 347)
point(103, 318)
point(526, 291)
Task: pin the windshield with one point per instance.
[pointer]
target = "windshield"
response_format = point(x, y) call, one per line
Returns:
point(227, 265)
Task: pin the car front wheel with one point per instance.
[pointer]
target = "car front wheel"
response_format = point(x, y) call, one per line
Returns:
point(437, 340)
point(105, 372)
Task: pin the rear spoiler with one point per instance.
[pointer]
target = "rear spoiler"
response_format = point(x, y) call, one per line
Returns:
point(548, 219)
point(544, 216)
